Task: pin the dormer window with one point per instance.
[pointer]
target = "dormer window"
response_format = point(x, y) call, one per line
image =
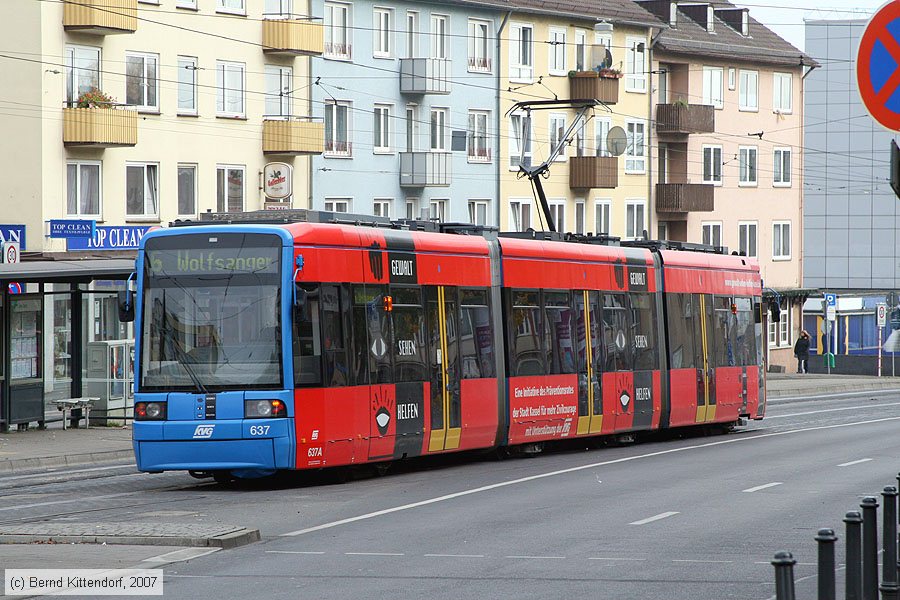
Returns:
point(745, 23)
point(673, 14)
point(710, 17)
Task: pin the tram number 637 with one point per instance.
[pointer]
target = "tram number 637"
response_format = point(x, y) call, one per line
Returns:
point(259, 429)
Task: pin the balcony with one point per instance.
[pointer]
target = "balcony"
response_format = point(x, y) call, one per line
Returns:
point(684, 197)
point(295, 136)
point(100, 17)
point(593, 172)
point(424, 76)
point(99, 127)
point(421, 169)
point(293, 37)
point(685, 118)
point(588, 85)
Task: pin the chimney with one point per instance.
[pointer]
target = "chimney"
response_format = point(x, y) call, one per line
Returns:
point(736, 18)
point(700, 13)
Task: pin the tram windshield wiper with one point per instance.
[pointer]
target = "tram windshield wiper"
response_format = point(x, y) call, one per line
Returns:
point(183, 358)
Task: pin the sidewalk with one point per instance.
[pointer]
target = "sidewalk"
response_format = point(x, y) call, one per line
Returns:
point(33, 450)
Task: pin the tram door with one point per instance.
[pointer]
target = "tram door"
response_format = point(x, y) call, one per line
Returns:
point(590, 400)
point(706, 372)
point(443, 348)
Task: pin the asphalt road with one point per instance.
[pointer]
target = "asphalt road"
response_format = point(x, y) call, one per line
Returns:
point(698, 517)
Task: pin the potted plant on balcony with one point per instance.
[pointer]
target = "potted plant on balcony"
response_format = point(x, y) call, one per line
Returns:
point(579, 74)
point(95, 98)
point(609, 73)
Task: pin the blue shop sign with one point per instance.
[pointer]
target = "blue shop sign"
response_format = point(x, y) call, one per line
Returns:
point(110, 238)
point(13, 233)
point(66, 228)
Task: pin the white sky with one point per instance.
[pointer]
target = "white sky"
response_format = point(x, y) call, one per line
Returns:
point(788, 22)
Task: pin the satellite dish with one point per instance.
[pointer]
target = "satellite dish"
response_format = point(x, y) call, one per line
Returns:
point(616, 141)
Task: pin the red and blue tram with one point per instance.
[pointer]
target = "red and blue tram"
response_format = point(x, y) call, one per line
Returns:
point(306, 345)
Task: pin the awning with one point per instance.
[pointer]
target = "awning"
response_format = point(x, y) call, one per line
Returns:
point(791, 292)
point(66, 271)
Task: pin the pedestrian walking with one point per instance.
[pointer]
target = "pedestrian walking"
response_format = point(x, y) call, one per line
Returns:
point(801, 351)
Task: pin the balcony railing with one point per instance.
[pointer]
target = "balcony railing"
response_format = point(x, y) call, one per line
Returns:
point(338, 148)
point(480, 63)
point(297, 135)
point(293, 37)
point(420, 169)
point(342, 51)
point(424, 76)
point(684, 197)
point(479, 155)
point(100, 17)
point(587, 85)
point(685, 118)
point(99, 127)
point(593, 172)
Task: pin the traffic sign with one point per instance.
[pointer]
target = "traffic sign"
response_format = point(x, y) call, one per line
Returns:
point(881, 315)
point(878, 66)
point(831, 299)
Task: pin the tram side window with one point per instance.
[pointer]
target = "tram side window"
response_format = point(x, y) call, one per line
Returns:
point(615, 333)
point(307, 342)
point(558, 317)
point(334, 304)
point(683, 321)
point(410, 345)
point(724, 343)
point(476, 335)
point(371, 335)
point(643, 339)
point(744, 333)
point(527, 333)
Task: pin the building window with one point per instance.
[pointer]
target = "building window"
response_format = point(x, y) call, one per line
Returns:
point(636, 65)
point(412, 205)
point(557, 135)
point(780, 333)
point(235, 7)
point(439, 42)
point(712, 86)
point(412, 34)
point(279, 84)
point(635, 148)
point(517, 137)
point(748, 95)
point(601, 216)
point(338, 205)
point(477, 146)
point(192, 4)
point(230, 89)
point(337, 31)
point(580, 128)
point(142, 190)
point(337, 129)
point(439, 210)
point(712, 164)
point(187, 190)
point(521, 53)
point(558, 212)
point(520, 214)
point(412, 127)
point(557, 59)
point(382, 128)
point(634, 219)
point(580, 50)
point(187, 85)
point(478, 212)
point(230, 188)
point(82, 71)
point(783, 93)
point(83, 189)
point(142, 81)
point(712, 234)
point(747, 165)
point(438, 129)
point(601, 135)
point(579, 217)
point(732, 78)
point(781, 240)
point(277, 9)
point(383, 32)
point(479, 46)
point(382, 208)
point(747, 239)
point(782, 167)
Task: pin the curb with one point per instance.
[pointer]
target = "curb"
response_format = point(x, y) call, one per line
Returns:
point(835, 389)
point(226, 541)
point(14, 465)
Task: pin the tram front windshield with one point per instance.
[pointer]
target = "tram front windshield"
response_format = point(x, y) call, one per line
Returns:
point(211, 313)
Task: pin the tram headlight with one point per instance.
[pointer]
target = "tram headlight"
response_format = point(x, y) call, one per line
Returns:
point(150, 411)
point(264, 409)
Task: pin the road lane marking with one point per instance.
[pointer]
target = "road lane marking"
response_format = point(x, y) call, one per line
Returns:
point(291, 552)
point(66, 473)
point(762, 487)
point(374, 554)
point(521, 480)
point(455, 555)
point(614, 558)
point(658, 517)
point(181, 555)
point(539, 557)
point(855, 462)
point(705, 562)
point(816, 412)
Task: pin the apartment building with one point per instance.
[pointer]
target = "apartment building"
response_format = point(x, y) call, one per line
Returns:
point(132, 114)
point(577, 51)
point(407, 93)
point(728, 151)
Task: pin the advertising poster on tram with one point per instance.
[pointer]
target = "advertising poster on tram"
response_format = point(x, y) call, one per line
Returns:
point(542, 408)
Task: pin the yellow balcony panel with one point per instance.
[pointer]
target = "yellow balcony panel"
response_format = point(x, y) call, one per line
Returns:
point(293, 37)
point(100, 127)
point(593, 172)
point(684, 197)
point(588, 85)
point(100, 17)
point(293, 136)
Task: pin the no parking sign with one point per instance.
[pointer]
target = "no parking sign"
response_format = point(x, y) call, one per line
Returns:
point(878, 66)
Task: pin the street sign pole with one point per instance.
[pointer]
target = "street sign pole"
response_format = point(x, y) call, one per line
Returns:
point(879, 351)
point(880, 321)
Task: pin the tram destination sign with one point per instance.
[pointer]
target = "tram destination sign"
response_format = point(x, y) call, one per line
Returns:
point(213, 261)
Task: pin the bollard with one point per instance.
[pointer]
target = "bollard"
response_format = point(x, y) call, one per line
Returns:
point(890, 587)
point(853, 589)
point(784, 575)
point(826, 539)
point(869, 507)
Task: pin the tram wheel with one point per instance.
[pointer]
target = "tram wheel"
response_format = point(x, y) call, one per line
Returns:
point(222, 477)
